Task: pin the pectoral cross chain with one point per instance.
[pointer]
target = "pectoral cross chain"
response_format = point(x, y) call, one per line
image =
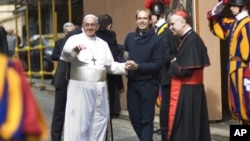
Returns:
point(93, 59)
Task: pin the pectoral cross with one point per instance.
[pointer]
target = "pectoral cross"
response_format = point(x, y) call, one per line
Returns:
point(93, 59)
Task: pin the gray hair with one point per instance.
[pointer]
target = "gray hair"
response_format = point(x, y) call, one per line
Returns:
point(168, 17)
point(67, 24)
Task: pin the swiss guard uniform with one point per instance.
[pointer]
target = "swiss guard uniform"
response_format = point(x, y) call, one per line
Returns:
point(237, 32)
point(21, 118)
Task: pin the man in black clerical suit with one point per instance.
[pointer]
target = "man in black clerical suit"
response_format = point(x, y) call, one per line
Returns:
point(3, 41)
point(115, 83)
point(60, 81)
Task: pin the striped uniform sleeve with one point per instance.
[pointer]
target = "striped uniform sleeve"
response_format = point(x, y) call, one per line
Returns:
point(245, 42)
point(14, 101)
point(220, 26)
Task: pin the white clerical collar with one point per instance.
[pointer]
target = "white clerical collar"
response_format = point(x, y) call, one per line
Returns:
point(93, 38)
point(160, 22)
point(241, 15)
point(90, 38)
point(186, 31)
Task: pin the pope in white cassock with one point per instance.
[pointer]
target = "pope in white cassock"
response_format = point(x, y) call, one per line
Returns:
point(87, 110)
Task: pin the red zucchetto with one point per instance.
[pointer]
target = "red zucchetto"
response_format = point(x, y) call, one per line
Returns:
point(181, 13)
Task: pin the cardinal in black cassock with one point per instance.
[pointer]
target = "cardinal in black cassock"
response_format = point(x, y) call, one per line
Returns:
point(188, 115)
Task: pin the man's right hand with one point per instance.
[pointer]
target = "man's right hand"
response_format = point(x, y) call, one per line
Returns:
point(78, 48)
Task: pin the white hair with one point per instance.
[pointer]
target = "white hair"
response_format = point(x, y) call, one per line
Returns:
point(90, 16)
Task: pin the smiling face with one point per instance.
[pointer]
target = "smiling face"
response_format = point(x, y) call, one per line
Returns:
point(143, 20)
point(177, 24)
point(90, 25)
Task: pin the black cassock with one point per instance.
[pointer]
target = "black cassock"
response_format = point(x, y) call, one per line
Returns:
point(3, 41)
point(188, 116)
point(115, 83)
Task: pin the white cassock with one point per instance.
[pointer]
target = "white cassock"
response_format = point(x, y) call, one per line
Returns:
point(87, 109)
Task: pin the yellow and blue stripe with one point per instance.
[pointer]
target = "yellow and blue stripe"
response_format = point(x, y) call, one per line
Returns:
point(238, 38)
point(14, 112)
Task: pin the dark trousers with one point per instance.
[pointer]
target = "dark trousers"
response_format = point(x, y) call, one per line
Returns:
point(58, 114)
point(114, 101)
point(164, 111)
point(141, 107)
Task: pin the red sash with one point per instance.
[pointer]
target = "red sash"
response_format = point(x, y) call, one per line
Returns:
point(176, 83)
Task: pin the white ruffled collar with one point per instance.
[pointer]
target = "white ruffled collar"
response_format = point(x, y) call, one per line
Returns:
point(241, 15)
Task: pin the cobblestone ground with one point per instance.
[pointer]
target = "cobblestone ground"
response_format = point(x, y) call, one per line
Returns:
point(123, 131)
point(122, 128)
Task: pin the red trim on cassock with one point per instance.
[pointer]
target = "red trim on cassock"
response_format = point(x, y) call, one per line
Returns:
point(174, 96)
point(176, 82)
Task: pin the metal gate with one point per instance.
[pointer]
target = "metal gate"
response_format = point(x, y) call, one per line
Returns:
point(37, 23)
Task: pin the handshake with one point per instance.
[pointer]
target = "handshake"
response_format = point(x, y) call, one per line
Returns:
point(131, 65)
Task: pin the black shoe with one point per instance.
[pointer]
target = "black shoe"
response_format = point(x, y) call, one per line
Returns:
point(115, 115)
point(244, 122)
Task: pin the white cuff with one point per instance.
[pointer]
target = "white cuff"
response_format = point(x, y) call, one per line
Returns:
point(217, 8)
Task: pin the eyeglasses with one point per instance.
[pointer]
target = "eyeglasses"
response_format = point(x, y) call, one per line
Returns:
point(90, 24)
